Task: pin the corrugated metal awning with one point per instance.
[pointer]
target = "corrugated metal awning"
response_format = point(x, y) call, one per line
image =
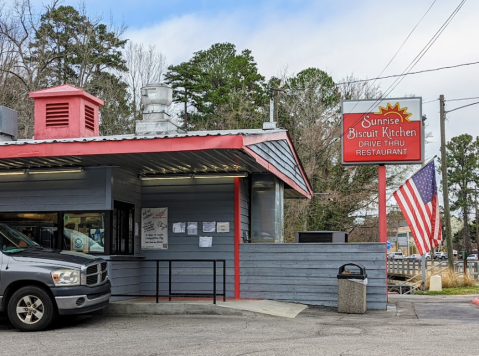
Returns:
point(179, 153)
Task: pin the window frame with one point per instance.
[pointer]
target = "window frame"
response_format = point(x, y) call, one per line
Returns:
point(127, 205)
point(107, 227)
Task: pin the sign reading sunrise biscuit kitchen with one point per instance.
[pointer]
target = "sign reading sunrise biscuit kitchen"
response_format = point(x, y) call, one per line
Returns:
point(386, 131)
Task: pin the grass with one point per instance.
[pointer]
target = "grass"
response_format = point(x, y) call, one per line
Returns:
point(452, 284)
point(454, 291)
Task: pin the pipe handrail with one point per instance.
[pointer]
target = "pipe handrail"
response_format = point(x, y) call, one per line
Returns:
point(171, 294)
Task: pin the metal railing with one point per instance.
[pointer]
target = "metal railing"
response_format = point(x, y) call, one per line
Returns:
point(408, 267)
point(171, 294)
point(437, 266)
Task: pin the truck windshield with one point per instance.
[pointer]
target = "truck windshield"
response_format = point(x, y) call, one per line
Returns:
point(12, 241)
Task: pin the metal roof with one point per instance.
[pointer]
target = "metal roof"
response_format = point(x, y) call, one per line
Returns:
point(167, 154)
point(245, 132)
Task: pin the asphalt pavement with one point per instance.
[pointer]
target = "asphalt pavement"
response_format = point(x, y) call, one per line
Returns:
point(412, 325)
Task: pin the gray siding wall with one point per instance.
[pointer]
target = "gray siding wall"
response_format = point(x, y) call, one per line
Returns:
point(196, 200)
point(245, 206)
point(52, 192)
point(124, 274)
point(126, 187)
point(279, 154)
point(307, 273)
point(124, 277)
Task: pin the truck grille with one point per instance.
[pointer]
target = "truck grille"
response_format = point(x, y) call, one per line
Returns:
point(97, 274)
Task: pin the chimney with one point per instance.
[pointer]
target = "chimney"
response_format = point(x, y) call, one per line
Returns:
point(8, 124)
point(156, 98)
point(65, 111)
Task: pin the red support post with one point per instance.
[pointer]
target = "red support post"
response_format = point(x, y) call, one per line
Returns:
point(383, 221)
point(383, 227)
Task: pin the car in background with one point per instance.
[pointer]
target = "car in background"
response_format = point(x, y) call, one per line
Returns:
point(428, 256)
point(440, 256)
point(413, 257)
point(395, 255)
point(472, 257)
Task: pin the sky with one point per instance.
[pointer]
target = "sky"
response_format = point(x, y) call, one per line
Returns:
point(341, 37)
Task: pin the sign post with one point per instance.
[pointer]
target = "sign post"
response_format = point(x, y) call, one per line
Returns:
point(383, 223)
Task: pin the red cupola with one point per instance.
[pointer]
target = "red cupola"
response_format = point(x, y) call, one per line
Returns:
point(65, 111)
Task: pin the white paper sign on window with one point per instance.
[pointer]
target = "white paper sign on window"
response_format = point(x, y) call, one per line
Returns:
point(154, 228)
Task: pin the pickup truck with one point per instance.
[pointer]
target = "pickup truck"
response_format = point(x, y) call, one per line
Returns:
point(37, 284)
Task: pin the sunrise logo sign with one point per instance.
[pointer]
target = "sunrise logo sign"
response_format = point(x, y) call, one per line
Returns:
point(387, 131)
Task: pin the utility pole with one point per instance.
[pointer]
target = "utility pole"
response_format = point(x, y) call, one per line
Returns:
point(445, 188)
point(275, 92)
point(477, 232)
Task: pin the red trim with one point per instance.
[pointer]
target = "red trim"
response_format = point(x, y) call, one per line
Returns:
point(237, 235)
point(58, 149)
point(278, 173)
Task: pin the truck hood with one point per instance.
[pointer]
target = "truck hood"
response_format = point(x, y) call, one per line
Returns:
point(53, 257)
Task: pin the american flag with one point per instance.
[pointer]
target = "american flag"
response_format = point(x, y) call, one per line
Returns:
point(418, 201)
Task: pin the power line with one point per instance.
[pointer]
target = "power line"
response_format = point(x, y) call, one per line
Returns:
point(415, 60)
point(460, 99)
point(460, 107)
point(410, 33)
point(408, 69)
point(427, 46)
point(410, 73)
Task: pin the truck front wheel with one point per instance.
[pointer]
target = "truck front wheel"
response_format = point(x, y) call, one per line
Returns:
point(31, 309)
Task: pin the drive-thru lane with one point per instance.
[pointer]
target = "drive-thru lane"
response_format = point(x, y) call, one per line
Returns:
point(315, 331)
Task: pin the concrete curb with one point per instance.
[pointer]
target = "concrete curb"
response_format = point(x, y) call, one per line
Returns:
point(236, 307)
point(173, 309)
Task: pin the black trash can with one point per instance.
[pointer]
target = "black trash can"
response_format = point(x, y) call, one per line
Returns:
point(352, 282)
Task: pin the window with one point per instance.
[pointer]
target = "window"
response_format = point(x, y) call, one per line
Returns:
point(266, 209)
point(39, 227)
point(84, 232)
point(123, 222)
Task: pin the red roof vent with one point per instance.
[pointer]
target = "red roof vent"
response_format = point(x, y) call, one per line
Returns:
point(65, 111)
point(56, 115)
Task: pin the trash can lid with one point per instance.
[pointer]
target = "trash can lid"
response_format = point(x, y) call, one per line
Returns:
point(347, 274)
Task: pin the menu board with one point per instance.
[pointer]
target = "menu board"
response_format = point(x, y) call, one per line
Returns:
point(154, 228)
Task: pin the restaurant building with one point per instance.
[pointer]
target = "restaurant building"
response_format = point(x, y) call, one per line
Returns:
point(160, 193)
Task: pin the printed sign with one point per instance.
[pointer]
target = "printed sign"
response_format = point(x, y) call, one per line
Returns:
point(154, 228)
point(192, 228)
point(382, 131)
point(208, 226)
point(179, 227)
point(206, 241)
point(223, 227)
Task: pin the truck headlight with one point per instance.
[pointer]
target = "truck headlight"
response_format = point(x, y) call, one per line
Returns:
point(66, 277)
